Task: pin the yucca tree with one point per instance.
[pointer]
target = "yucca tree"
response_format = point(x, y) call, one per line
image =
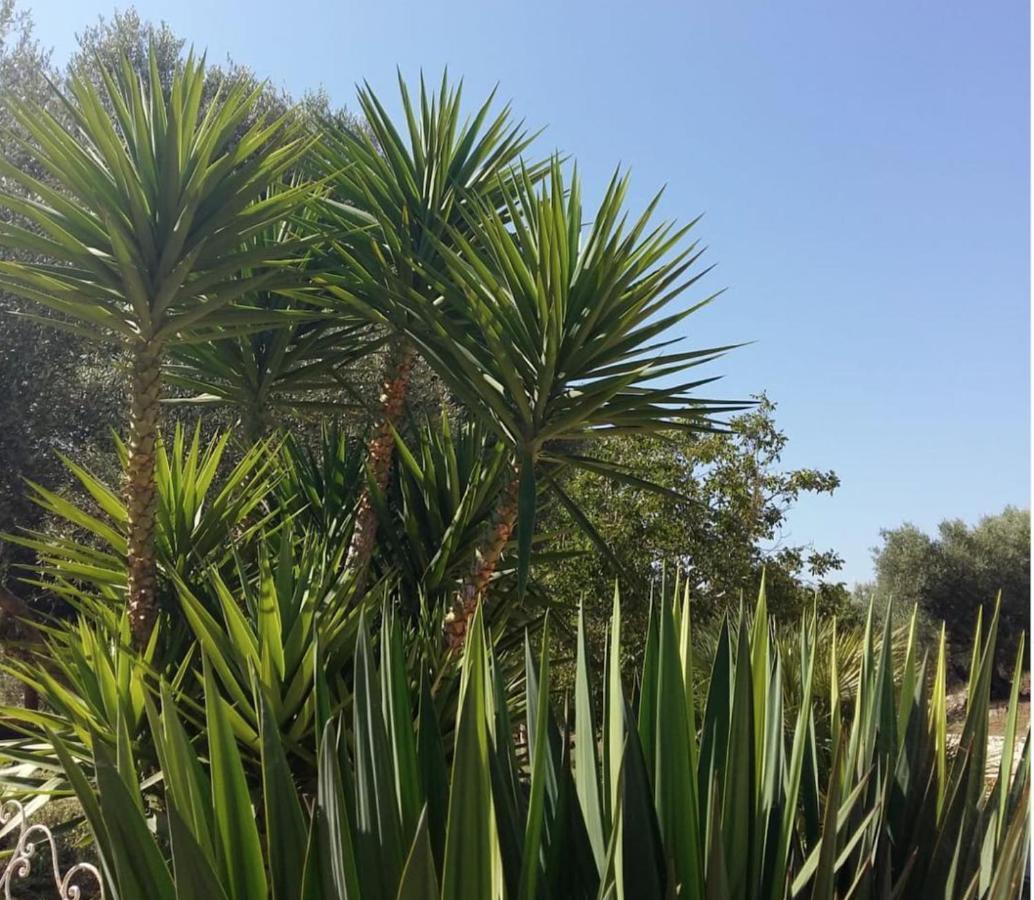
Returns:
point(297, 366)
point(145, 224)
point(408, 187)
point(555, 334)
point(206, 512)
point(448, 477)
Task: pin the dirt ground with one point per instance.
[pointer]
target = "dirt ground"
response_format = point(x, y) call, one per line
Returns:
point(996, 725)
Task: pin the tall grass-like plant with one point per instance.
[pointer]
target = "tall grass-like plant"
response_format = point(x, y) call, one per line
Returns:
point(649, 797)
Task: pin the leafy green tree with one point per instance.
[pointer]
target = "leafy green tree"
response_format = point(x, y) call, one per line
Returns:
point(720, 523)
point(52, 395)
point(954, 573)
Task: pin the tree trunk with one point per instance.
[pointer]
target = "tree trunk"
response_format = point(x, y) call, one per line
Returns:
point(380, 451)
point(486, 560)
point(141, 489)
point(13, 606)
point(254, 426)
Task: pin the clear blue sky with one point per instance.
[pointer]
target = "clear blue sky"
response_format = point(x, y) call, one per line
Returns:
point(863, 168)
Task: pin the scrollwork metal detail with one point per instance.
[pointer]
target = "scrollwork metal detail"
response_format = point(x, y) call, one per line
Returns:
point(26, 851)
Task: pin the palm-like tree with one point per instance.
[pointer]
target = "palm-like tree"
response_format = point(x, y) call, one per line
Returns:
point(401, 194)
point(555, 334)
point(289, 369)
point(145, 222)
point(298, 365)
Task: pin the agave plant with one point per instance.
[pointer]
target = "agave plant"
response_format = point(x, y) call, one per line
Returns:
point(653, 799)
point(397, 194)
point(142, 236)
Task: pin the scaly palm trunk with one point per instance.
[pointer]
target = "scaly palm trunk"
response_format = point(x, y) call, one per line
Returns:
point(380, 451)
point(141, 489)
point(486, 560)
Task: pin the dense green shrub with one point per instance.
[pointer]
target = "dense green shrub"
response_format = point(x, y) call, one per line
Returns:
point(726, 505)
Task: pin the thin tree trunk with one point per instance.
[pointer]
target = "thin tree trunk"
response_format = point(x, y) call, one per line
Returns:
point(253, 423)
point(486, 560)
point(141, 489)
point(380, 451)
point(18, 609)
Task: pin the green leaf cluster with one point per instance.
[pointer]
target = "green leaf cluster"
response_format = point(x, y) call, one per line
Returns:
point(654, 795)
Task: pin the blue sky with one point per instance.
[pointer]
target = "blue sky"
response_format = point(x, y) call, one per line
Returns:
point(864, 174)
